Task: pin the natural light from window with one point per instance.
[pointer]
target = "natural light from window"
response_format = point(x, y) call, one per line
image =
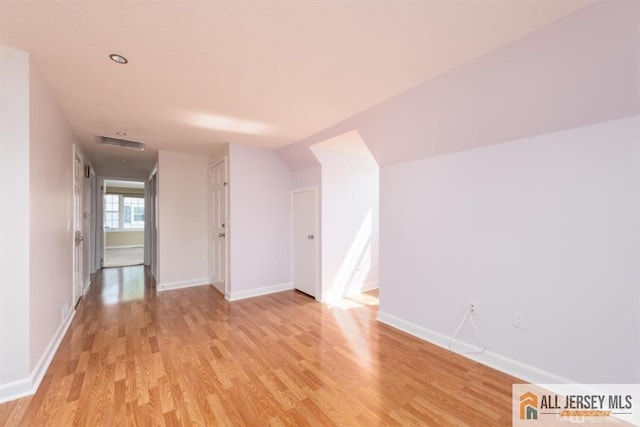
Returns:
point(355, 266)
point(123, 212)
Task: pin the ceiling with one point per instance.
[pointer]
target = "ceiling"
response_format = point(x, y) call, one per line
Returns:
point(265, 73)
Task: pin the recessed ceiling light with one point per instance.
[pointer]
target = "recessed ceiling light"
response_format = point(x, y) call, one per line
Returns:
point(118, 58)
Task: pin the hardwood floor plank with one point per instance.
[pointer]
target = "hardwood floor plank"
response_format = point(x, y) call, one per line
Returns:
point(189, 357)
point(171, 420)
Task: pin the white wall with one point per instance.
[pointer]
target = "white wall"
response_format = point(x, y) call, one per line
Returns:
point(548, 225)
point(310, 177)
point(183, 248)
point(259, 221)
point(51, 199)
point(576, 72)
point(36, 238)
point(14, 222)
point(350, 182)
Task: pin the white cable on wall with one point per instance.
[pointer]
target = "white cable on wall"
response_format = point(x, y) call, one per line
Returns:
point(468, 315)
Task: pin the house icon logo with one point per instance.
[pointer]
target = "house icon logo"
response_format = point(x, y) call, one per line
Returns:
point(528, 406)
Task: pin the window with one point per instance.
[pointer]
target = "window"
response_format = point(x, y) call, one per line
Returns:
point(123, 212)
point(133, 212)
point(111, 210)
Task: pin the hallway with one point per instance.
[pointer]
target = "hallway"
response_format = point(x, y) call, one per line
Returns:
point(135, 357)
point(123, 257)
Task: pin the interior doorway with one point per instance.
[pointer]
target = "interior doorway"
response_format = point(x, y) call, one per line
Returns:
point(306, 259)
point(219, 226)
point(124, 223)
point(78, 244)
point(349, 215)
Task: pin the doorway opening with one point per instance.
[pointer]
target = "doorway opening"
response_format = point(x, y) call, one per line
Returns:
point(349, 217)
point(124, 223)
point(305, 240)
point(218, 227)
point(78, 216)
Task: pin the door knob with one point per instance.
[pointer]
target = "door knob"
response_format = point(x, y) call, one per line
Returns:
point(220, 234)
point(310, 236)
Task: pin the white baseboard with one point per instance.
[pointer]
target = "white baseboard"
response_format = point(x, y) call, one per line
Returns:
point(45, 360)
point(87, 284)
point(15, 390)
point(256, 292)
point(183, 284)
point(504, 364)
point(125, 247)
point(28, 386)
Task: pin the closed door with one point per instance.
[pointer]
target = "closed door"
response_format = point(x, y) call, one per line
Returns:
point(219, 228)
point(77, 229)
point(305, 241)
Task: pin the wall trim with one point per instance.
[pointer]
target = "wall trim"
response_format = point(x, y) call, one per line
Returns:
point(87, 284)
point(28, 386)
point(201, 281)
point(256, 292)
point(493, 360)
point(15, 390)
point(45, 360)
point(125, 247)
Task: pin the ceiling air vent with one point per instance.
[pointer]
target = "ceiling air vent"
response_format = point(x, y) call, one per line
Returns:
point(124, 143)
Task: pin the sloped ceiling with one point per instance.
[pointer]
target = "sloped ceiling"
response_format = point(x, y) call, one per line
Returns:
point(582, 70)
point(263, 73)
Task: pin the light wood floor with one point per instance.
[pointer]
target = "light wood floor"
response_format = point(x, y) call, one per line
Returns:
point(188, 357)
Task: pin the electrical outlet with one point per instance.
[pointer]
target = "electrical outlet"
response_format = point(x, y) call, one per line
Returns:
point(518, 319)
point(473, 306)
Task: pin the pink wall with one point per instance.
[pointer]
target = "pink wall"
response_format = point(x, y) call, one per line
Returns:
point(547, 225)
point(14, 222)
point(531, 225)
point(36, 167)
point(260, 219)
point(310, 177)
point(51, 204)
point(183, 220)
point(580, 70)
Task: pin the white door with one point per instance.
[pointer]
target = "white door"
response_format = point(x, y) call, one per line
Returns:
point(305, 241)
point(219, 228)
point(77, 228)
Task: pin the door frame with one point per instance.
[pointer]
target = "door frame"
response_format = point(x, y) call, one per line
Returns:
point(77, 255)
point(93, 221)
point(151, 222)
point(317, 240)
point(227, 223)
point(100, 231)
